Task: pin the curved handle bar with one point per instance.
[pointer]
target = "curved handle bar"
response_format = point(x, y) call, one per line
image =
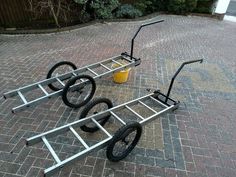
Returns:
point(177, 72)
point(132, 42)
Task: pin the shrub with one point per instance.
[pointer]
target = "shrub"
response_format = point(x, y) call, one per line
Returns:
point(181, 6)
point(143, 5)
point(128, 11)
point(176, 6)
point(190, 5)
point(103, 9)
point(204, 6)
point(158, 5)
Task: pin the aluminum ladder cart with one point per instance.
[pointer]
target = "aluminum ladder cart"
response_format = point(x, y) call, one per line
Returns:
point(74, 80)
point(124, 139)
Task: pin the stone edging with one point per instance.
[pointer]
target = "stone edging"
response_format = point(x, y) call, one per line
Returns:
point(56, 30)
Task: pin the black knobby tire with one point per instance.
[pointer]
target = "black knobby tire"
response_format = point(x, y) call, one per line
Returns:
point(88, 107)
point(72, 82)
point(121, 134)
point(50, 72)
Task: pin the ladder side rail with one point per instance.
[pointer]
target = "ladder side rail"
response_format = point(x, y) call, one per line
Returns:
point(92, 71)
point(162, 104)
point(101, 128)
point(137, 114)
point(142, 103)
point(53, 79)
point(117, 62)
point(117, 117)
point(104, 66)
point(78, 137)
point(54, 155)
point(35, 85)
point(60, 82)
point(51, 170)
point(127, 59)
point(44, 91)
point(36, 101)
point(168, 109)
point(115, 70)
point(37, 138)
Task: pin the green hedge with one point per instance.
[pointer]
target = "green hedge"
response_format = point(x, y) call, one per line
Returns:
point(38, 15)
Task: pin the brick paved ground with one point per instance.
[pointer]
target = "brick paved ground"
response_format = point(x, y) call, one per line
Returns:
point(198, 139)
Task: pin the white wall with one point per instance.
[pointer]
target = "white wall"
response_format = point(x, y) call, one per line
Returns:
point(222, 6)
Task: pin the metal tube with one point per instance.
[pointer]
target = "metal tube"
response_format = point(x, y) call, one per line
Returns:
point(56, 131)
point(141, 117)
point(92, 71)
point(147, 106)
point(22, 97)
point(51, 150)
point(158, 102)
point(104, 66)
point(118, 118)
point(101, 127)
point(78, 137)
point(117, 62)
point(60, 82)
point(44, 91)
point(158, 114)
point(53, 79)
point(51, 170)
point(54, 94)
point(132, 41)
point(177, 72)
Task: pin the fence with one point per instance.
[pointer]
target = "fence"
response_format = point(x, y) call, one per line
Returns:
point(14, 13)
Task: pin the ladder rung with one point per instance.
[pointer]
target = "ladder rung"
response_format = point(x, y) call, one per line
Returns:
point(51, 149)
point(147, 106)
point(117, 117)
point(127, 59)
point(44, 91)
point(22, 97)
point(141, 117)
point(78, 137)
point(158, 101)
point(158, 114)
point(60, 82)
point(101, 127)
point(74, 74)
point(92, 71)
point(117, 62)
point(104, 66)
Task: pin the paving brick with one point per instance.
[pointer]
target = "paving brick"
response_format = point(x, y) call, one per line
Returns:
point(33, 172)
point(8, 157)
point(114, 165)
point(98, 168)
point(187, 154)
point(203, 127)
point(9, 167)
point(165, 163)
point(6, 147)
point(121, 174)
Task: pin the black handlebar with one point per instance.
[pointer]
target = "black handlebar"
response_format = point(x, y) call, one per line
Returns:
point(132, 42)
point(177, 72)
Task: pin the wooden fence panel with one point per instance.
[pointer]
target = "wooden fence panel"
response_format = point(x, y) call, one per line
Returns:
point(14, 13)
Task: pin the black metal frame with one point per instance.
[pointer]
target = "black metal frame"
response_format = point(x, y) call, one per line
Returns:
point(132, 41)
point(165, 99)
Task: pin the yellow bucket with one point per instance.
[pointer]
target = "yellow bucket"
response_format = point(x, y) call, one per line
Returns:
point(120, 76)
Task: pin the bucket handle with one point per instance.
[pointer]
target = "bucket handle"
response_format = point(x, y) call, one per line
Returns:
point(143, 25)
